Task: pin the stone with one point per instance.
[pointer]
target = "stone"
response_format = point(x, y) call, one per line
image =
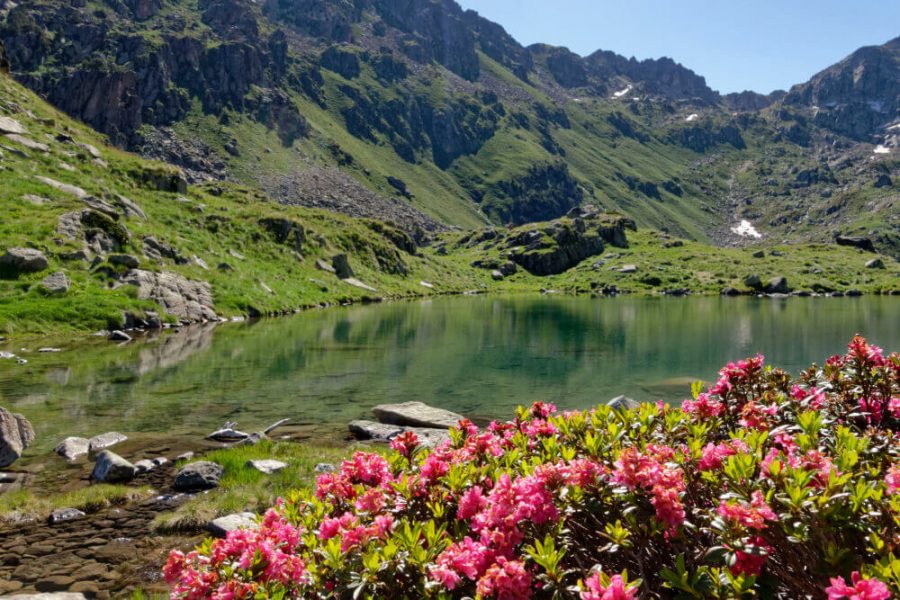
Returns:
point(875, 263)
point(371, 430)
point(112, 468)
point(862, 243)
point(130, 208)
point(324, 266)
point(777, 285)
point(223, 525)
point(185, 299)
point(16, 434)
point(628, 269)
point(883, 180)
point(496, 275)
point(730, 291)
point(623, 403)
point(126, 260)
point(509, 268)
point(143, 465)
point(119, 336)
point(341, 266)
point(105, 440)
point(159, 461)
point(753, 282)
point(325, 468)
point(63, 515)
point(267, 466)
point(57, 283)
point(416, 414)
point(53, 595)
point(73, 447)
point(198, 476)
point(54, 583)
point(27, 142)
point(357, 283)
point(24, 260)
point(64, 187)
point(759, 254)
point(9, 125)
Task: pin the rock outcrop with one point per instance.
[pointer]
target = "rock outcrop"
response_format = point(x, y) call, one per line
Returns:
point(16, 434)
point(186, 299)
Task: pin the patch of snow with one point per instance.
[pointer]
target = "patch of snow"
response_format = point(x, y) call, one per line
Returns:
point(894, 126)
point(621, 93)
point(746, 229)
point(880, 149)
point(692, 117)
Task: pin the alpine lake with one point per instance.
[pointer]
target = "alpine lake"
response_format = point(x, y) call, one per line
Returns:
point(478, 356)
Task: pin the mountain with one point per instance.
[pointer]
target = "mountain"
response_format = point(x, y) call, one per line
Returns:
point(432, 116)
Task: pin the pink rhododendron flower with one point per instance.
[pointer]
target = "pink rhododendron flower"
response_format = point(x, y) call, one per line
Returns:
point(860, 589)
point(405, 443)
point(892, 480)
point(751, 516)
point(635, 470)
point(471, 503)
point(704, 407)
point(468, 559)
point(751, 563)
point(505, 580)
point(617, 589)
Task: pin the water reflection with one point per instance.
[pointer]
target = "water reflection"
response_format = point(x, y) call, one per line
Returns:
point(478, 356)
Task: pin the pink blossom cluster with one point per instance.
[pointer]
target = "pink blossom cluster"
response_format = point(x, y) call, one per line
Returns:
point(649, 471)
point(860, 588)
point(617, 589)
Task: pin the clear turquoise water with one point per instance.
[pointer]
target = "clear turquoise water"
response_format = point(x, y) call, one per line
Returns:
point(478, 356)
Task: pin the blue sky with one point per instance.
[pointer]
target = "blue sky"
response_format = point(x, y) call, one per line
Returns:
point(760, 45)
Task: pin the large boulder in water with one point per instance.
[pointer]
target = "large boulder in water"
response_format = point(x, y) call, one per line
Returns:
point(16, 434)
point(112, 468)
point(416, 414)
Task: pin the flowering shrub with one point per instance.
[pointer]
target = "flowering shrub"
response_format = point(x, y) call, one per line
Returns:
point(760, 486)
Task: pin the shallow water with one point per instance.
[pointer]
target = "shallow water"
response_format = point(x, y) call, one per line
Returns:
point(479, 356)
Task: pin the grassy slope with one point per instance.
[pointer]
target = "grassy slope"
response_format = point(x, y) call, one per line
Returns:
point(213, 225)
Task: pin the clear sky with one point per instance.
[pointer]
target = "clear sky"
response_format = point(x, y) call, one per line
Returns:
point(760, 45)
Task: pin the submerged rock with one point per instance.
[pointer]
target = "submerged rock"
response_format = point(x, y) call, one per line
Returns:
point(416, 414)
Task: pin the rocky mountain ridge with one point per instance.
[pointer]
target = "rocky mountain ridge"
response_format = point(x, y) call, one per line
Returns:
point(421, 103)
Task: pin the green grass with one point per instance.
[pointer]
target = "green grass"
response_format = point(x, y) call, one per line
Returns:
point(25, 503)
point(243, 488)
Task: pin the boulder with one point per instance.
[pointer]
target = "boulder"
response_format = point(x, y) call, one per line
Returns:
point(267, 466)
point(223, 525)
point(112, 468)
point(144, 465)
point(63, 515)
point(883, 180)
point(862, 243)
point(57, 283)
point(496, 275)
point(105, 440)
point(416, 414)
point(119, 336)
point(730, 291)
point(759, 254)
point(186, 299)
point(16, 434)
point(628, 269)
point(875, 263)
point(203, 475)
point(753, 282)
point(341, 266)
point(24, 260)
point(370, 430)
point(777, 285)
point(508, 268)
point(9, 125)
point(126, 260)
point(623, 403)
point(73, 447)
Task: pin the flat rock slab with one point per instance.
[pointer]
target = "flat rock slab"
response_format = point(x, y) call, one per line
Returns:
point(221, 526)
point(198, 476)
point(380, 432)
point(73, 447)
point(416, 414)
point(357, 283)
point(267, 466)
point(64, 187)
point(9, 125)
point(28, 143)
point(105, 440)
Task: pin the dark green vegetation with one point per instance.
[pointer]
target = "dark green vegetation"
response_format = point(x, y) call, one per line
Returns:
point(371, 107)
